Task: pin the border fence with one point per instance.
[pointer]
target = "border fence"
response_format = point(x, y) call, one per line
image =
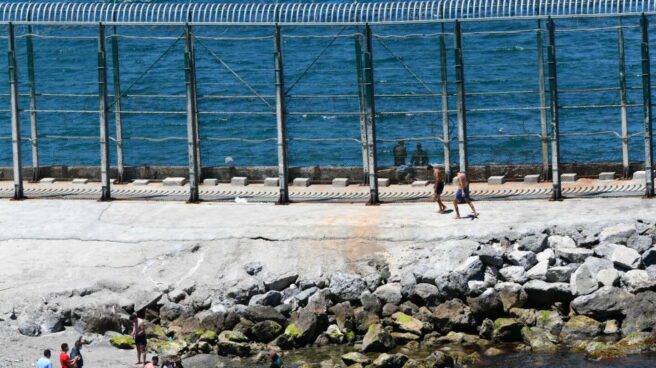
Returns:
point(444, 88)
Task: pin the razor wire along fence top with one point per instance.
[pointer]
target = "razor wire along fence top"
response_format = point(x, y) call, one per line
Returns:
point(259, 84)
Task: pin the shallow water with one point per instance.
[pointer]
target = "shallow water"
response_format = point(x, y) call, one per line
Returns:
point(567, 361)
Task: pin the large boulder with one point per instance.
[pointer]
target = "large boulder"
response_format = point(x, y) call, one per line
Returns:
point(389, 293)
point(271, 298)
point(122, 342)
point(561, 273)
point(245, 289)
point(265, 331)
point(29, 328)
point(171, 349)
point(233, 343)
point(406, 323)
point(280, 282)
point(574, 255)
point(583, 281)
point(319, 302)
point(390, 361)
point(542, 293)
point(355, 358)
point(302, 328)
point(581, 327)
point(540, 340)
point(559, 242)
point(490, 256)
point(343, 313)
point(346, 286)
point(525, 259)
point(539, 271)
point(649, 257)
point(635, 281)
point(453, 315)
point(619, 233)
point(507, 329)
point(512, 295)
point(516, 274)
point(640, 314)
point(640, 242)
point(549, 320)
point(547, 255)
point(259, 313)
point(608, 277)
point(377, 339)
point(626, 257)
point(425, 294)
point(606, 302)
point(53, 322)
point(533, 243)
point(488, 303)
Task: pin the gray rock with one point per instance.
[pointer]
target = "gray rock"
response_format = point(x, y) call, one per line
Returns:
point(640, 314)
point(547, 255)
point(245, 289)
point(619, 233)
point(649, 257)
point(651, 270)
point(389, 293)
point(289, 294)
point(52, 322)
point(522, 258)
point(512, 295)
point(507, 329)
point(425, 294)
point(29, 328)
point(319, 302)
point(626, 257)
point(370, 302)
point(344, 316)
point(303, 327)
point(280, 282)
point(486, 329)
point(389, 309)
point(640, 242)
point(265, 331)
point(595, 264)
point(608, 277)
point(475, 287)
point(490, 256)
point(574, 255)
point(177, 295)
point(471, 268)
point(253, 268)
point(408, 283)
point(540, 340)
point(488, 303)
point(533, 243)
point(606, 302)
point(424, 273)
point(583, 281)
point(303, 297)
point(390, 360)
point(636, 281)
point(605, 250)
point(170, 311)
point(515, 274)
point(347, 287)
point(355, 358)
point(581, 327)
point(377, 339)
point(559, 242)
point(270, 298)
point(453, 315)
point(542, 293)
point(561, 273)
point(259, 313)
point(539, 271)
point(490, 276)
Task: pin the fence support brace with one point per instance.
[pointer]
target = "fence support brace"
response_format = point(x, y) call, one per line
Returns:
point(371, 117)
point(557, 193)
point(192, 117)
point(544, 132)
point(446, 133)
point(623, 102)
point(281, 117)
point(646, 103)
point(460, 94)
point(33, 126)
point(118, 118)
point(104, 112)
point(362, 104)
point(15, 118)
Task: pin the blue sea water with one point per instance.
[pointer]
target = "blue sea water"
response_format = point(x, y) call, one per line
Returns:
point(407, 65)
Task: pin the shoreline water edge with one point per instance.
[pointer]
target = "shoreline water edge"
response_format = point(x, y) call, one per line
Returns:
point(577, 289)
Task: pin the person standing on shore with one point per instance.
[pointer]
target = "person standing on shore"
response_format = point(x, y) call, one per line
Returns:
point(139, 335)
point(438, 187)
point(419, 157)
point(65, 360)
point(45, 361)
point(400, 153)
point(76, 353)
point(462, 194)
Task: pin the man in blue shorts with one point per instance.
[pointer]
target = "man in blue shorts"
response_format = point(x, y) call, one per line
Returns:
point(462, 194)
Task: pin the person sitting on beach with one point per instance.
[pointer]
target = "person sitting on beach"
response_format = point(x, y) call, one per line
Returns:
point(462, 194)
point(438, 187)
point(153, 362)
point(45, 361)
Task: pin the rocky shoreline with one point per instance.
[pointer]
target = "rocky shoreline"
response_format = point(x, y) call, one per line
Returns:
point(556, 289)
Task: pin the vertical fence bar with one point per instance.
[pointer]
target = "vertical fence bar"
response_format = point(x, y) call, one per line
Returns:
point(192, 116)
point(281, 118)
point(460, 95)
point(371, 117)
point(15, 118)
point(361, 98)
point(623, 101)
point(544, 133)
point(118, 118)
point(646, 98)
point(104, 112)
point(557, 193)
point(446, 133)
point(33, 126)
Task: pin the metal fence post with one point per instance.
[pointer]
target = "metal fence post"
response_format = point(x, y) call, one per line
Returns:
point(192, 116)
point(557, 193)
point(281, 117)
point(118, 118)
point(623, 102)
point(371, 117)
point(646, 98)
point(446, 133)
point(15, 118)
point(544, 132)
point(460, 94)
point(361, 99)
point(104, 112)
point(34, 137)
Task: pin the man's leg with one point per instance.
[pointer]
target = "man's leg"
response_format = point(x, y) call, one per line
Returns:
point(455, 206)
point(144, 351)
point(439, 202)
point(138, 355)
point(469, 202)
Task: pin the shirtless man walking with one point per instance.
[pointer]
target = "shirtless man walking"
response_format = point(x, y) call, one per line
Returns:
point(438, 187)
point(462, 194)
point(139, 334)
